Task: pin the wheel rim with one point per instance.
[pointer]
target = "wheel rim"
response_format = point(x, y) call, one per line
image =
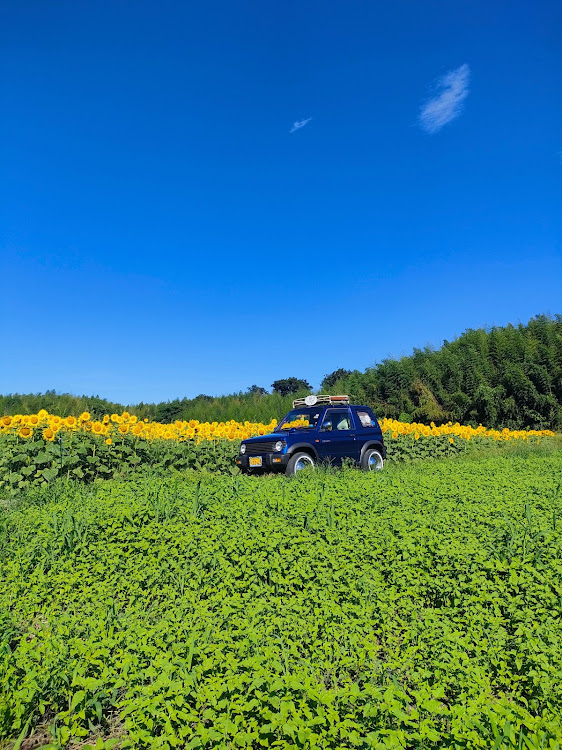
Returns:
point(305, 462)
point(375, 462)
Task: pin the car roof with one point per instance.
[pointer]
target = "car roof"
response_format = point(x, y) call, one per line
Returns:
point(347, 406)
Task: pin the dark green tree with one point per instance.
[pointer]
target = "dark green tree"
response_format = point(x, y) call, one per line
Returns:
point(256, 390)
point(332, 378)
point(289, 386)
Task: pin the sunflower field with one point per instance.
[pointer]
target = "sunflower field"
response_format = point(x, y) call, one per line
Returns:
point(39, 448)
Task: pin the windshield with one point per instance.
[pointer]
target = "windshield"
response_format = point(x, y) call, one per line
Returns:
point(301, 419)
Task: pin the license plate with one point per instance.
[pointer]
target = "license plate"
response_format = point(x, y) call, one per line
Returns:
point(255, 461)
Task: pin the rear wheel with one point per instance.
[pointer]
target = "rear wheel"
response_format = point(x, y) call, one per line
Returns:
point(298, 462)
point(372, 460)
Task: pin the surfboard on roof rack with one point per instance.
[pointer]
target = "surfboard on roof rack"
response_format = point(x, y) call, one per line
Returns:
point(322, 400)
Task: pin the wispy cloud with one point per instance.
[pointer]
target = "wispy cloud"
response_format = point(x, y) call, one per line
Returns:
point(450, 92)
point(299, 124)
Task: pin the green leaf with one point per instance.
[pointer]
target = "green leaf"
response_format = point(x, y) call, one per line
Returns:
point(77, 698)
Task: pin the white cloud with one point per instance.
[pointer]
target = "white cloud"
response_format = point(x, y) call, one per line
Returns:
point(299, 124)
point(451, 91)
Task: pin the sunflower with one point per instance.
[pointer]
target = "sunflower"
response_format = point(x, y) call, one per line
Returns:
point(115, 418)
point(125, 415)
point(108, 441)
point(6, 421)
point(85, 416)
point(124, 429)
point(25, 432)
point(105, 420)
point(70, 421)
point(48, 434)
point(97, 427)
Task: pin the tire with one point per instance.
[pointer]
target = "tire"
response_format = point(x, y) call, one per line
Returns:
point(299, 461)
point(372, 460)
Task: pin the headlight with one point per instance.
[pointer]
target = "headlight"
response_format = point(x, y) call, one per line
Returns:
point(279, 445)
point(242, 449)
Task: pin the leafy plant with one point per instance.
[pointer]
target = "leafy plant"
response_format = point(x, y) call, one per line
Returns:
point(416, 607)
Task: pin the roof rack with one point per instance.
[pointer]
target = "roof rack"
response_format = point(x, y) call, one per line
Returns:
point(321, 400)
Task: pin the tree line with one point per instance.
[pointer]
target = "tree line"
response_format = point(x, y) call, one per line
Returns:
point(501, 377)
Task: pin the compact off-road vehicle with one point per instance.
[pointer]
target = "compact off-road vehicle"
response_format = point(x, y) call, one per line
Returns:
point(317, 429)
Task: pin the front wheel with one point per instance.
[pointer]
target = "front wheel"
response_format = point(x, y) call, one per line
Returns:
point(298, 462)
point(372, 460)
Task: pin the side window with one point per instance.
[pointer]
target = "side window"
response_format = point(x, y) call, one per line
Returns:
point(366, 419)
point(336, 420)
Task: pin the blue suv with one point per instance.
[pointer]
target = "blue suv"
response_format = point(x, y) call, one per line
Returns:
point(317, 429)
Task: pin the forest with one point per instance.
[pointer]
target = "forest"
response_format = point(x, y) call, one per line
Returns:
point(507, 376)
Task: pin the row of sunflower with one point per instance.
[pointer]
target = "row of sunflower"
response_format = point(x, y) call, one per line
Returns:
point(465, 432)
point(119, 425)
point(37, 448)
point(25, 426)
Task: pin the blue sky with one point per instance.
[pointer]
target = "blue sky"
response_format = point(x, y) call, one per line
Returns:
point(163, 233)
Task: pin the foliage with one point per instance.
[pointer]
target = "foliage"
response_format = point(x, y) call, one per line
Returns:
point(503, 377)
point(416, 607)
point(38, 448)
point(290, 386)
point(256, 390)
point(332, 378)
point(88, 458)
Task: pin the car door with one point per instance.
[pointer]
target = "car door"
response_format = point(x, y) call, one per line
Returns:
point(337, 436)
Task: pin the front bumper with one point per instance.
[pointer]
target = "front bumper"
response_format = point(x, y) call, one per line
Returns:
point(270, 462)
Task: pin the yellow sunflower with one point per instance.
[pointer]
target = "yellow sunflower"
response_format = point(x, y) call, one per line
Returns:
point(25, 432)
point(108, 441)
point(85, 416)
point(48, 434)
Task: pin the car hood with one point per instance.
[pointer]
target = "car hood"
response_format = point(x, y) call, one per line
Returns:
point(270, 436)
point(281, 435)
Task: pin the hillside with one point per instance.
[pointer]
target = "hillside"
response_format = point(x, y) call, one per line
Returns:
point(502, 377)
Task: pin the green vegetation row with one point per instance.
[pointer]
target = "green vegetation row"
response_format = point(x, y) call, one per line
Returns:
point(86, 457)
point(501, 377)
point(420, 607)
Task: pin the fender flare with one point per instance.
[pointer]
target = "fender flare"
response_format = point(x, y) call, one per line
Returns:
point(373, 444)
point(297, 446)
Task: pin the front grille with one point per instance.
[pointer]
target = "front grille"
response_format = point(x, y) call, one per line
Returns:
point(263, 446)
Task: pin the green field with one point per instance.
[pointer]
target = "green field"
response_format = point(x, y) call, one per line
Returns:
point(419, 607)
